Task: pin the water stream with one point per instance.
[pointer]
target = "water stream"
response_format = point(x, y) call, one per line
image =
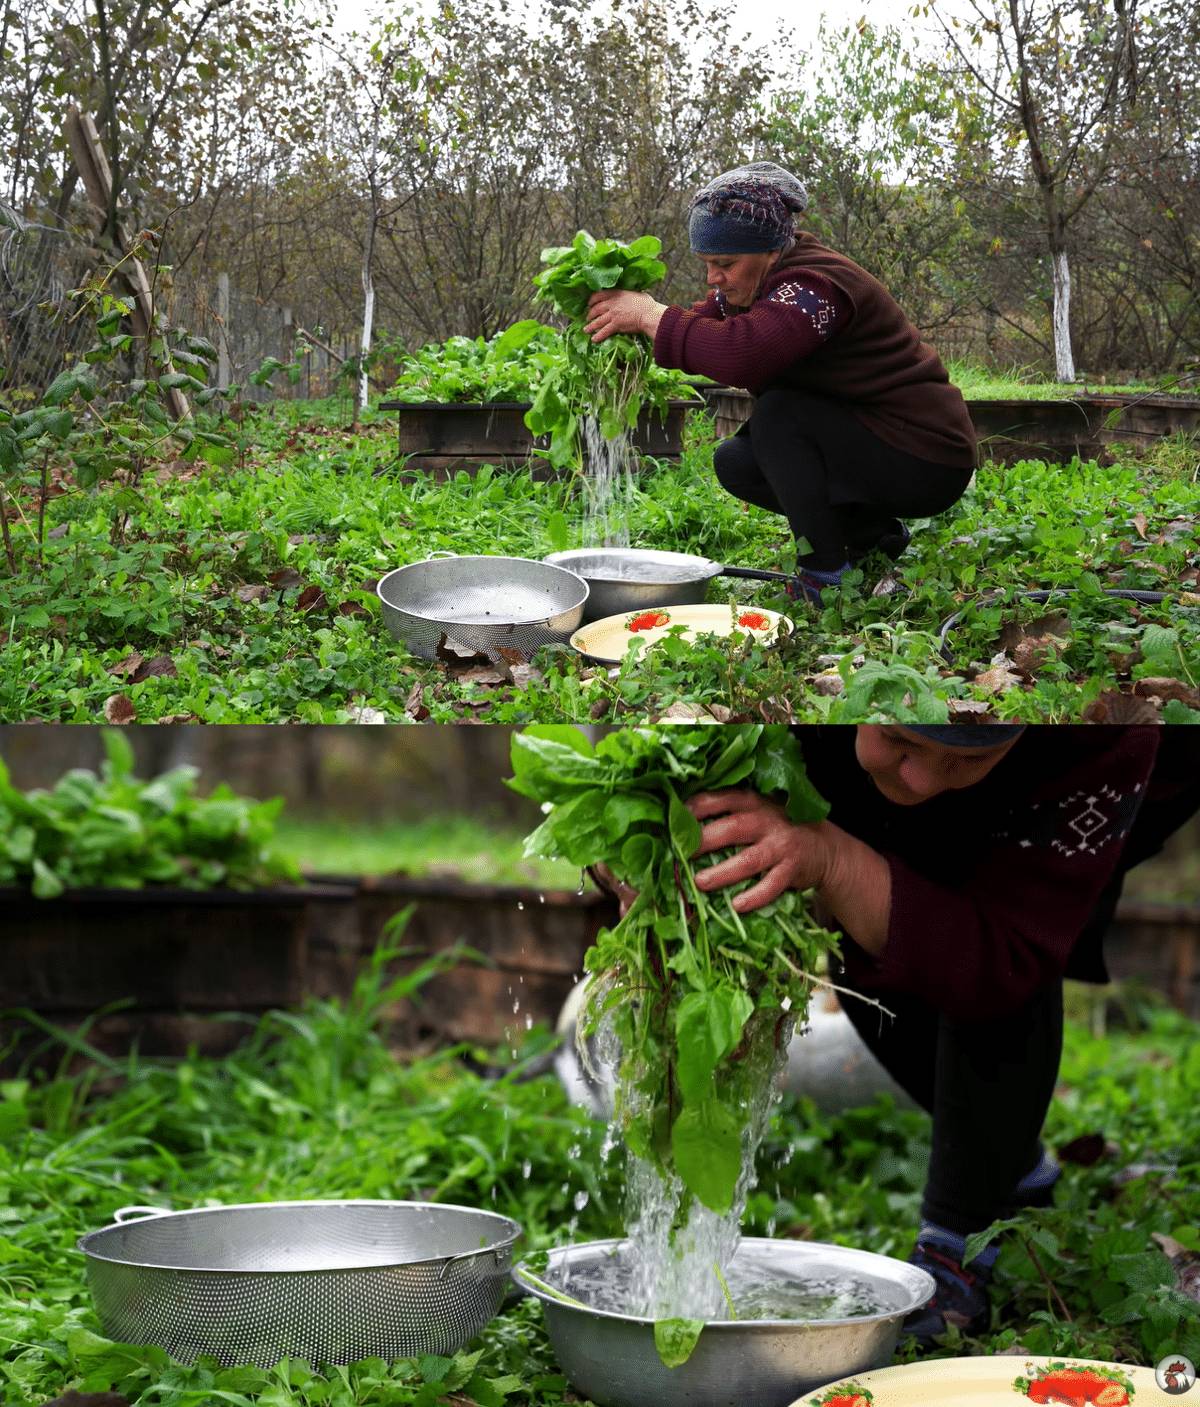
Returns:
point(608, 486)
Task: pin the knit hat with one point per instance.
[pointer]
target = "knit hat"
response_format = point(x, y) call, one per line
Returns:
point(969, 734)
point(749, 210)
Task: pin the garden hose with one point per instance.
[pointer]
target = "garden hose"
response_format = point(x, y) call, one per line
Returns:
point(1145, 598)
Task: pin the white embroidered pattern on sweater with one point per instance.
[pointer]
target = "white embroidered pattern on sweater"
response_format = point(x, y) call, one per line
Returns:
point(821, 312)
point(1082, 823)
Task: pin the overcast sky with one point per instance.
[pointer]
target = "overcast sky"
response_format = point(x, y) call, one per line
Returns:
point(761, 20)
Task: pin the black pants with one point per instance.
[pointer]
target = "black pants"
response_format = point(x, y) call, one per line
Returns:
point(988, 1085)
point(839, 486)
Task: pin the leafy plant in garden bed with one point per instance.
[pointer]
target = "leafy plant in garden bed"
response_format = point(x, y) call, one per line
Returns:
point(510, 366)
point(115, 831)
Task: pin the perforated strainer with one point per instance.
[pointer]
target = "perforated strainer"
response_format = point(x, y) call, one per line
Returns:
point(330, 1282)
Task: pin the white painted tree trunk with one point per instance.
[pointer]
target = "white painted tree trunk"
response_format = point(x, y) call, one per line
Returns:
point(368, 319)
point(1063, 361)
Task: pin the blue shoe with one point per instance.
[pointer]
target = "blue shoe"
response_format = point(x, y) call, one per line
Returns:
point(808, 584)
point(961, 1298)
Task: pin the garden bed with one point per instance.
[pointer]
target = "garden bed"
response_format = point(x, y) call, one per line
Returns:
point(1080, 426)
point(170, 960)
point(441, 438)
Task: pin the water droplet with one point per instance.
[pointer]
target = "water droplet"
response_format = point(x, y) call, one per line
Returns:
point(581, 1201)
point(541, 898)
point(526, 1168)
point(529, 1023)
point(520, 904)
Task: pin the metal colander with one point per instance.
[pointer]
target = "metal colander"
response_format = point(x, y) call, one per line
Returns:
point(330, 1282)
point(481, 604)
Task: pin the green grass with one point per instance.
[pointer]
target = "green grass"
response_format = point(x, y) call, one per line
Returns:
point(979, 383)
point(317, 1106)
point(441, 845)
point(217, 583)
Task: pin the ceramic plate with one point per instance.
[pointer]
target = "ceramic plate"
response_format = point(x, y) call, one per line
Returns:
point(996, 1382)
point(608, 639)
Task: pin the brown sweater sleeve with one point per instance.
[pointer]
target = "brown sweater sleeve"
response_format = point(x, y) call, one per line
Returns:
point(983, 947)
point(796, 314)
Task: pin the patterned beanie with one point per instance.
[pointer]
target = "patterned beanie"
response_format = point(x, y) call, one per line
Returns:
point(749, 210)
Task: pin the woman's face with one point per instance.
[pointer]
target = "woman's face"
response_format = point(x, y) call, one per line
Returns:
point(738, 276)
point(909, 769)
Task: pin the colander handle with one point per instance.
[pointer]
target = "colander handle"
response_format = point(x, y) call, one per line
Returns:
point(124, 1214)
point(499, 1252)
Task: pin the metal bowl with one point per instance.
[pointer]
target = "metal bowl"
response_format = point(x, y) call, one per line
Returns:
point(330, 1282)
point(611, 1358)
point(634, 579)
point(481, 605)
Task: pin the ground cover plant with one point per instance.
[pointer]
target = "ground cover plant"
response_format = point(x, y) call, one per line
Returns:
point(243, 592)
point(316, 1105)
point(510, 366)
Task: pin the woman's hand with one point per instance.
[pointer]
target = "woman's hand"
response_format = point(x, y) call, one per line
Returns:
point(614, 310)
point(788, 856)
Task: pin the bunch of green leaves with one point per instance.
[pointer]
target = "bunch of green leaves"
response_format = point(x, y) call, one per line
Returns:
point(510, 366)
point(611, 380)
point(700, 996)
point(115, 831)
point(507, 367)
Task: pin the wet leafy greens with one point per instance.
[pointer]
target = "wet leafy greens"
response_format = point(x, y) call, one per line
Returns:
point(714, 992)
point(611, 380)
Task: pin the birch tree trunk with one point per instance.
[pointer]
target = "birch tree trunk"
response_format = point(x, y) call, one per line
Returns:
point(368, 319)
point(1064, 362)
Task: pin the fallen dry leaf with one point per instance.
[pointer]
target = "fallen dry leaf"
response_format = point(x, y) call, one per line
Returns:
point(310, 599)
point(999, 678)
point(364, 714)
point(975, 709)
point(118, 709)
point(253, 593)
point(524, 675)
point(352, 608)
point(285, 577)
point(414, 707)
point(128, 666)
point(160, 667)
point(481, 674)
point(1167, 689)
point(1112, 707)
point(178, 718)
point(683, 712)
point(456, 658)
point(1140, 523)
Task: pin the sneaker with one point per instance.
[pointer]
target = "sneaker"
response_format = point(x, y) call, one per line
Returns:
point(803, 587)
point(961, 1298)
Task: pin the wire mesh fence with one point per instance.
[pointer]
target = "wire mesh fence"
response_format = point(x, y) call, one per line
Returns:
point(39, 266)
point(42, 330)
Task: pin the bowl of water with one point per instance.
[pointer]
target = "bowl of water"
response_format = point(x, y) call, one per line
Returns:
point(807, 1314)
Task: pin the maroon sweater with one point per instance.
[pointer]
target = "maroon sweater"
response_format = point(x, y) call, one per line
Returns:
point(993, 885)
point(822, 323)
